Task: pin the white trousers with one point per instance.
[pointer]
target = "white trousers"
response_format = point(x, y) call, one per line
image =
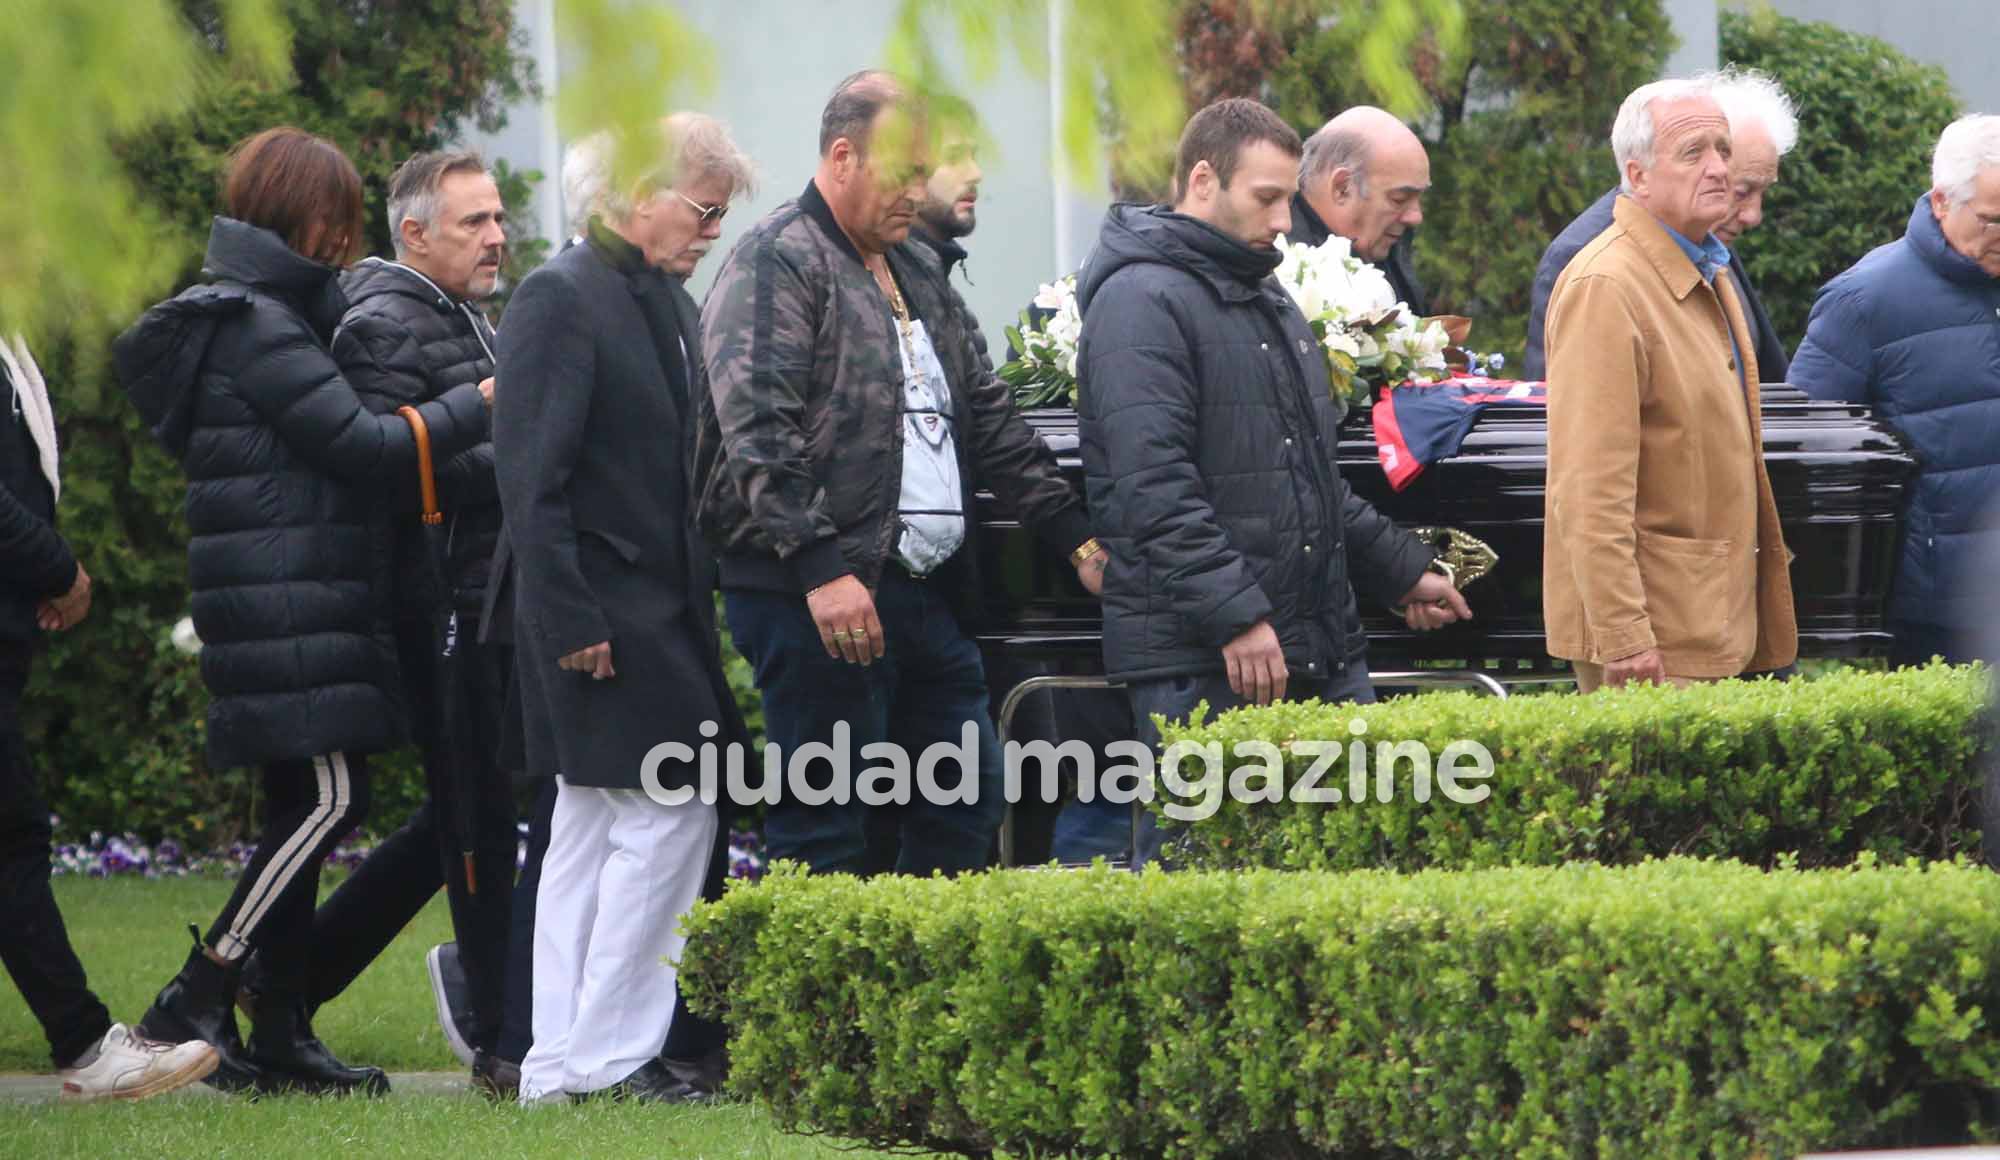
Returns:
point(621, 871)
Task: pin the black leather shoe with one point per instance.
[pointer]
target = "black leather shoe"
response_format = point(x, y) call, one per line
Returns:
point(652, 1084)
point(706, 1073)
point(495, 1078)
point(290, 1058)
point(195, 1005)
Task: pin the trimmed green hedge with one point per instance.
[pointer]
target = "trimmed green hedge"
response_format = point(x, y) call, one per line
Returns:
point(1677, 1008)
point(1818, 769)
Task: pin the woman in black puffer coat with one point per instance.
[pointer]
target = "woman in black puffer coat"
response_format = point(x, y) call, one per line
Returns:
point(290, 580)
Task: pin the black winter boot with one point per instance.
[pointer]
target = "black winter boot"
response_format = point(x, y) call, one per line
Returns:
point(290, 1058)
point(195, 1005)
point(250, 985)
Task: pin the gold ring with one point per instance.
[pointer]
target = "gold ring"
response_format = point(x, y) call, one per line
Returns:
point(859, 633)
point(839, 636)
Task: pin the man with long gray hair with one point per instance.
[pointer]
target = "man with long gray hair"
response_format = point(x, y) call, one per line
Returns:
point(616, 645)
point(1913, 330)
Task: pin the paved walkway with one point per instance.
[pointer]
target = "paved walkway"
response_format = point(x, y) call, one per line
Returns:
point(30, 1089)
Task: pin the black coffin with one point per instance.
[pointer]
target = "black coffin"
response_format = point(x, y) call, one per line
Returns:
point(1839, 477)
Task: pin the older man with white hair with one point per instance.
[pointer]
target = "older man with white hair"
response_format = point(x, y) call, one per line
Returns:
point(616, 644)
point(1913, 330)
point(1763, 128)
point(1662, 555)
point(1363, 177)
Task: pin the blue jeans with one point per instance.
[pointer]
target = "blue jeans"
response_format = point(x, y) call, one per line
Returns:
point(1090, 829)
point(927, 686)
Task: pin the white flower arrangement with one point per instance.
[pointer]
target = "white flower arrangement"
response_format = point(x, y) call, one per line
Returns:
point(1370, 338)
point(1043, 372)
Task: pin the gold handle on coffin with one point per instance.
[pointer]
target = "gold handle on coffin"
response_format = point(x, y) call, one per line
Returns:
point(1461, 558)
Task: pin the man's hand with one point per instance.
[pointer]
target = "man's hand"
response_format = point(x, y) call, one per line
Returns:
point(1432, 603)
point(595, 660)
point(1256, 663)
point(1091, 571)
point(486, 391)
point(1645, 668)
point(68, 610)
point(844, 612)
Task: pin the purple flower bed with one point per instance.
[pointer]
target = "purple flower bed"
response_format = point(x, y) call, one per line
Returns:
point(746, 854)
point(127, 855)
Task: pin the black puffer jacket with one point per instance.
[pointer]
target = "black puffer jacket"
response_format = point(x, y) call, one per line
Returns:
point(286, 480)
point(1208, 439)
point(405, 342)
point(951, 255)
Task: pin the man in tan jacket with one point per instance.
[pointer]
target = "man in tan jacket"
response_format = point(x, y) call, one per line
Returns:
point(1662, 556)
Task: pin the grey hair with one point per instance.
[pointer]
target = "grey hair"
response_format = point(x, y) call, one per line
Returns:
point(584, 166)
point(413, 188)
point(1967, 145)
point(695, 147)
point(1749, 95)
point(1331, 148)
point(1632, 132)
point(850, 112)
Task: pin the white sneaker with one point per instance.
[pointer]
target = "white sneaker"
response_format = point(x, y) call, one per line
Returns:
point(131, 1067)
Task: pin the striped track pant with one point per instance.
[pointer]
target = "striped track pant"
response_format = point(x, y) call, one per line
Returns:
point(309, 806)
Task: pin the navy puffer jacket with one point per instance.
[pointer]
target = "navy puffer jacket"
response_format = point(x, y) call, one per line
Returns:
point(285, 468)
point(1913, 330)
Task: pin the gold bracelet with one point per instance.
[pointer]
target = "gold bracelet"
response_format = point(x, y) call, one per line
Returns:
point(1085, 551)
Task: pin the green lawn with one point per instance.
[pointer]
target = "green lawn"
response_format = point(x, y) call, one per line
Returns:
point(132, 935)
point(432, 1127)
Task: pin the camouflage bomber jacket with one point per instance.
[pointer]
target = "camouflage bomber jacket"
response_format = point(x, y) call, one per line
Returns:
point(798, 454)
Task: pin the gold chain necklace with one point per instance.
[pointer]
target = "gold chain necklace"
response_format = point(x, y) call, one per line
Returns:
point(897, 307)
point(912, 373)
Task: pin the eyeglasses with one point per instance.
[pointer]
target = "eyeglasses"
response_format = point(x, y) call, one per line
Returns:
point(709, 213)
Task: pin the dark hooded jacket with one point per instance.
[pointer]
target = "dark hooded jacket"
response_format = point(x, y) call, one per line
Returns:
point(1209, 437)
point(404, 341)
point(951, 255)
point(286, 473)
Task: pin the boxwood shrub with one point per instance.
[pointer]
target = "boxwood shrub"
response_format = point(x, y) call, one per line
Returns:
point(1821, 770)
point(1674, 1008)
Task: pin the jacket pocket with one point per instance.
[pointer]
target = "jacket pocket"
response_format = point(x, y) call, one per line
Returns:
point(1699, 593)
point(626, 549)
